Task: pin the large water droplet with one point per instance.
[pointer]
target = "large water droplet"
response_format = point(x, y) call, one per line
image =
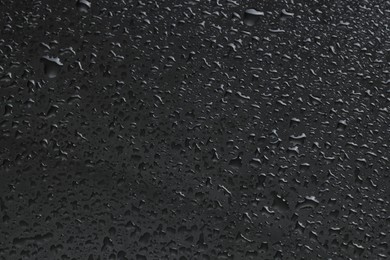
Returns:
point(251, 16)
point(52, 66)
point(83, 6)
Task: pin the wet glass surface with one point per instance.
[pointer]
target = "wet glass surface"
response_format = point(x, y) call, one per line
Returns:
point(194, 129)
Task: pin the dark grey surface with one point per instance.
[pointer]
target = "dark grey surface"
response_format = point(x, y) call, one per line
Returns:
point(194, 129)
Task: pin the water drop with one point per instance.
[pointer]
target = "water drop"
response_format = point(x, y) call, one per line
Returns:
point(251, 16)
point(83, 6)
point(52, 66)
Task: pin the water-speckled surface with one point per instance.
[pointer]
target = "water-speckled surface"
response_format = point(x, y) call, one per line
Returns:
point(194, 129)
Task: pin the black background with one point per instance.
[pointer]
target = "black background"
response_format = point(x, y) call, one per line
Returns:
point(194, 129)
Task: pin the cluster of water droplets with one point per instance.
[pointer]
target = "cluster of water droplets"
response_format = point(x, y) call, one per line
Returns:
point(194, 130)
